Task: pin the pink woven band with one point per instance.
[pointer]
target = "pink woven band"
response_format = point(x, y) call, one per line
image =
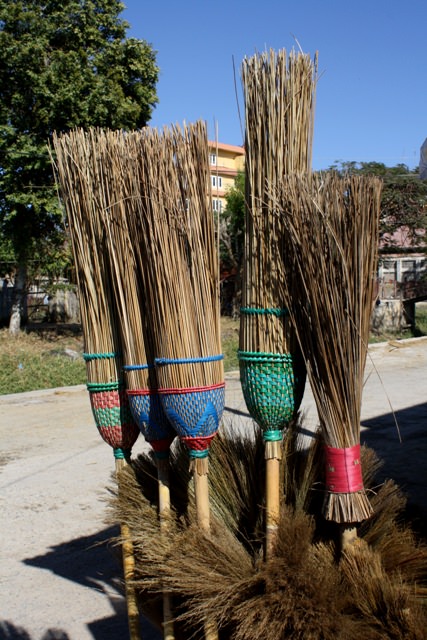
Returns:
point(343, 470)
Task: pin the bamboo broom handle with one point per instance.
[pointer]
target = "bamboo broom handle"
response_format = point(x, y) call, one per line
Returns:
point(164, 511)
point(129, 571)
point(201, 492)
point(272, 500)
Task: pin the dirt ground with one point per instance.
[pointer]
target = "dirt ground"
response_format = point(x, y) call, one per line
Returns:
point(59, 578)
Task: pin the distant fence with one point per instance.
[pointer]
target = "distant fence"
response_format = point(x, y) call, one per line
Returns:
point(6, 299)
point(60, 307)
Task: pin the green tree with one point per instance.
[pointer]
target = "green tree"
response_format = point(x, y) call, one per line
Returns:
point(63, 65)
point(403, 203)
point(232, 224)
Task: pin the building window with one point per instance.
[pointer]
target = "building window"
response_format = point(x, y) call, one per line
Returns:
point(212, 159)
point(217, 205)
point(216, 181)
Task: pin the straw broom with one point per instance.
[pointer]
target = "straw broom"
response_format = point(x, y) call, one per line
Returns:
point(177, 235)
point(127, 269)
point(279, 110)
point(85, 194)
point(184, 295)
point(332, 226)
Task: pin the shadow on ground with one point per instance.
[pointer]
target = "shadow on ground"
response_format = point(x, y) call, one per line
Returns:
point(92, 562)
point(400, 440)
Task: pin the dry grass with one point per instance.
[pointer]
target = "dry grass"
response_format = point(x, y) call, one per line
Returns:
point(33, 361)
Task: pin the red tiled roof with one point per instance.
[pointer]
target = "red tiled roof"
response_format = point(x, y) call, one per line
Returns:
point(226, 147)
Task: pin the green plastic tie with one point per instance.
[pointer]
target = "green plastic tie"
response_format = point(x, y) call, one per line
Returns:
point(268, 311)
point(99, 356)
point(161, 455)
point(258, 356)
point(272, 435)
point(198, 454)
point(121, 454)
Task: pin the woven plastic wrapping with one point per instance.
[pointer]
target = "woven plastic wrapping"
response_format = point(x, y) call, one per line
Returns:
point(272, 385)
point(195, 413)
point(148, 413)
point(113, 418)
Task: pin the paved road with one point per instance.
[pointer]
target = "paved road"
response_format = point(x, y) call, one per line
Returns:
point(56, 581)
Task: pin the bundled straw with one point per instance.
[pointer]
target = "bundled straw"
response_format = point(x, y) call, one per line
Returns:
point(279, 95)
point(176, 236)
point(85, 192)
point(332, 226)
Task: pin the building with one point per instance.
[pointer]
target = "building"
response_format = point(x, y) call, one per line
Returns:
point(226, 160)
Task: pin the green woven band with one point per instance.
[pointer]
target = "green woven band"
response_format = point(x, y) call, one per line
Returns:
point(262, 356)
point(268, 388)
point(264, 312)
point(104, 386)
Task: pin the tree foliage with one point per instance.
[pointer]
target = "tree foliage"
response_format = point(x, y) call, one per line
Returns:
point(232, 225)
point(403, 204)
point(63, 65)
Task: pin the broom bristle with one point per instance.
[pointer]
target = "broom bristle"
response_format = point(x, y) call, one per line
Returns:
point(175, 231)
point(279, 95)
point(302, 592)
point(86, 172)
point(83, 176)
point(332, 226)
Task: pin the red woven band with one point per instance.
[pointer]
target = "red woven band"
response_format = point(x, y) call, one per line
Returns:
point(211, 387)
point(141, 392)
point(343, 470)
point(198, 444)
point(160, 446)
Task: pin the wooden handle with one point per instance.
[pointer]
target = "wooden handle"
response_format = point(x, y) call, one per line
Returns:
point(201, 491)
point(164, 511)
point(129, 572)
point(272, 503)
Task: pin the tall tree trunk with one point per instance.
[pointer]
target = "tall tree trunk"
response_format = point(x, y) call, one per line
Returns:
point(19, 300)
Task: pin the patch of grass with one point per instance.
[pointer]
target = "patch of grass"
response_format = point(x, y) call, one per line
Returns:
point(420, 319)
point(29, 362)
point(230, 342)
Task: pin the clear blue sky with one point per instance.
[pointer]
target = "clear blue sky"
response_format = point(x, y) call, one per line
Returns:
point(372, 93)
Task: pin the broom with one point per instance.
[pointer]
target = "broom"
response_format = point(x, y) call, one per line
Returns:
point(85, 193)
point(332, 226)
point(279, 110)
point(181, 261)
point(127, 267)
